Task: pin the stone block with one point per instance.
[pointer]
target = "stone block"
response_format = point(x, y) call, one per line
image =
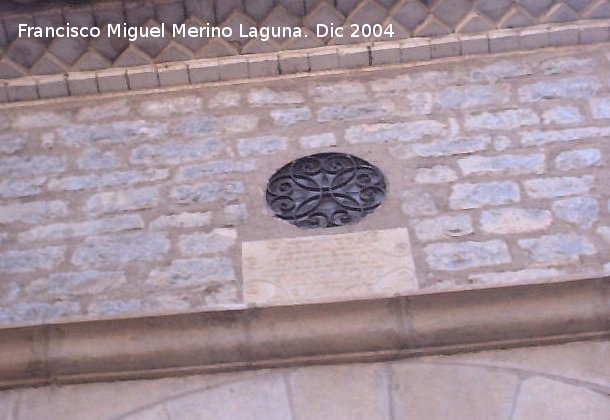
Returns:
point(394, 132)
point(82, 84)
point(182, 221)
point(22, 90)
point(173, 74)
point(558, 187)
point(204, 71)
point(386, 53)
point(443, 227)
point(557, 249)
point(427, 391)
point(362, 396)
point(437, 174)
point(53, 87)
point(416, 49)
point(466, 255)
point(117, 201)
point(563, 35)
point(176, 152)
point(577, 159)
point(470, 196)
point(112, 80)
point(293, 62)
point(207, 192)
point(540, 397)
point(459, 97)
point(98, 251)
point(417, 203)
point(289, 116)
point(504, 164)
point(515, 220)
point(474, 44)
point(354, 57)
point(318, 140)
point(533, 38)
point(580, 211)
point(264, 145)
point(355, 111)
point(23, 167)
point(266, 96)
point(447, 46)
point(594, 32)
point(263, 66)
point(29, 260)
point(503, 41)
point(232, 68)
point(600, 108)
point(503, 120)
point(217, 241)
point(562, 115)
point(568, 87)
point(33, 212)
point(322, 59)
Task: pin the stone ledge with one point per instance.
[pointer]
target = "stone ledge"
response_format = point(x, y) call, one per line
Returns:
point(372, 330)
point(340, 57)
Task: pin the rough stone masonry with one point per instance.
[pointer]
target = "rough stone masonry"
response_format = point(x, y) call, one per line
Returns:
point(136, 204)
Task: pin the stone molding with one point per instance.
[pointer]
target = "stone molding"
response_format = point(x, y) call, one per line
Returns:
point(409, 18)
point(359, 331)
point(330, 58)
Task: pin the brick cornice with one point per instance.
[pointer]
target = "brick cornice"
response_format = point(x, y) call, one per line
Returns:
point(370, 330)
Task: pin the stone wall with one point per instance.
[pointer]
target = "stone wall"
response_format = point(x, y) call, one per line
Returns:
point(133, 204)
point(569, 381)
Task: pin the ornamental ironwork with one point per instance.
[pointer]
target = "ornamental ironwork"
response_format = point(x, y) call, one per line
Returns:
point(326, 190)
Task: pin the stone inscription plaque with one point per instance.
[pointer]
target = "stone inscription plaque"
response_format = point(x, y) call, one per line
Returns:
point(328, 268)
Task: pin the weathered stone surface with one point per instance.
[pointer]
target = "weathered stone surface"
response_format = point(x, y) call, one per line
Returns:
point(235, 214)
point(511, 277)
point(558, 187)
point(74, 183)
point(505, 164)
point(32, 259)
point(425, 391)
point(373, 263)
point(219, 167)
point(21, 187)
point(225, 100)
point(77, 283)
point(11, 143)
point(175, 152)
point(539, 138)
point(102, 111)
point(267, 96)
point(114, 307)
point(501, 69)
point(15, 167)
point(197, 272)
point(97, 159)
point(207, 191)
point(34, 212)
point(182, 221)
point(110, 202)
point(78, 135)
point(355, 111)
point(61, 231)
point(438, 174)
point(416, 202)
point(502, 120)
point(562, 115)
point(577, 159)
point(443, 227)
point(264, 145)
point(457, 97)
point(471, 196)
point(217, 241)
point(568, 87)
point(515, 220)
point(562, 65)
point(401, 132)
point(557, 249)
point(38, 312)
point(168, 106)
point(362, 396)
point(600, 108)
point(205, 125)
point(581, 211)
point(40, 119)
point(465, 255)
point(258, 398)
point(318, 140)
point(97, 251)
point(455, 146)
point(338, 92)
point(543, 398)
point(289, 116)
